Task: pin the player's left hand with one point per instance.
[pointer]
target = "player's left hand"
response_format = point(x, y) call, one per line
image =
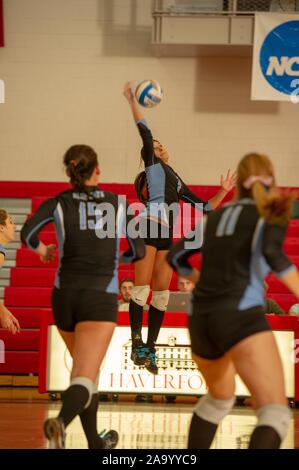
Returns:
point(228, 183)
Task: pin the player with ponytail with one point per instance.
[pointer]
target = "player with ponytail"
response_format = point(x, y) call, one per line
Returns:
point(243, 242)
point(84, 298)
point(159, 187)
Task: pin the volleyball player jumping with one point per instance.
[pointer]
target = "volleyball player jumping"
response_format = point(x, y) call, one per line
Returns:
point(164, 187)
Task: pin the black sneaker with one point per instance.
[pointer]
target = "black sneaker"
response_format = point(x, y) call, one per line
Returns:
point(55, 433)
point(150, 362)
point(109, 439)
point(139, 355)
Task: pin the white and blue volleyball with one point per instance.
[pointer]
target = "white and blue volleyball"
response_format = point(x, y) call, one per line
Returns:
point(148, 93)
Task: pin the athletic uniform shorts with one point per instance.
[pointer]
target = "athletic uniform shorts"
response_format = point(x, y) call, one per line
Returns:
point(157, 235)
point(71, 306)
point(214, 333)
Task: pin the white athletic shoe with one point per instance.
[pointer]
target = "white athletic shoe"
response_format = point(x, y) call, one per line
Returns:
point(55, 433)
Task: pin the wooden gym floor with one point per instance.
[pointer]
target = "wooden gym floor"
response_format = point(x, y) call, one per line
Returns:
point(157, 425)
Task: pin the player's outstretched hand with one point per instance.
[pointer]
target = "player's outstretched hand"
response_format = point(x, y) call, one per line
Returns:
point(128, 92)
point(228, 183)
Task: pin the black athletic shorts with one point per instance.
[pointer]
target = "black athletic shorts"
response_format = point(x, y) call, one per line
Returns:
point(214, 333)
point(71, 306)
point(157, 235)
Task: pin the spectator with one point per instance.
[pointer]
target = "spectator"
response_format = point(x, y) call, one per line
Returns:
point(7, 235)
point(184, 285)
point(125, 290)
point(270, 305)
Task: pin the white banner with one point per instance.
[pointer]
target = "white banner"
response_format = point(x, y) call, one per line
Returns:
point(275, 70)
point(178, 374)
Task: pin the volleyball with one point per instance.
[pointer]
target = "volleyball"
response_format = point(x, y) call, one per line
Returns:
point(148, 93)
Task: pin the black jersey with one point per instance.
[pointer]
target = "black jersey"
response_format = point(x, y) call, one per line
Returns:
point(88, 257)
point(238, 251)
point(165, 187)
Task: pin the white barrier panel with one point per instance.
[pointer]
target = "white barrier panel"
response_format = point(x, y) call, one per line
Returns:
point(178, 374)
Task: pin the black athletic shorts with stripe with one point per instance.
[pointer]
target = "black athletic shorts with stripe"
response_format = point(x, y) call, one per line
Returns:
point(71, 306)
point(214, 333)
point(157, 235)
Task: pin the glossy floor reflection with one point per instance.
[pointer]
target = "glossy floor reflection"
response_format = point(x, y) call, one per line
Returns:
point(166, 427)
point(140, 425)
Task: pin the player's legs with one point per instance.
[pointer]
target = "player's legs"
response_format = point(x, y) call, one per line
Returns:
point(54, 428)
point(88, 416)
point(68, 338)
point(90, 342)
point(140, 293)
point(161, 278)
point(257, 361)
point(219, 375)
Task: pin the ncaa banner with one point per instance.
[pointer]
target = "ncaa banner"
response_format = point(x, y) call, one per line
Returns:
point(275, 71)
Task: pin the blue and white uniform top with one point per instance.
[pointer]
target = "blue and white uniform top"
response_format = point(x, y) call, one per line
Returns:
point(239, 250)
point(88, 258)
point(164, 185)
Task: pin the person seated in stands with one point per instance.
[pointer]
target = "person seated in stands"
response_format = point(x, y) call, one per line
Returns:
point(294, 310)
point(270, 305)
point(125, 290)
point(7, 235)
point(184, 285)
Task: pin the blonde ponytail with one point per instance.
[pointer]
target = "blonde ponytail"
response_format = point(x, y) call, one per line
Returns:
point(256, 179)
point(275, 206)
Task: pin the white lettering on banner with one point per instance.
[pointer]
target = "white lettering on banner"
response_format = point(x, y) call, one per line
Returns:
point(283, 67)
point(2, 92)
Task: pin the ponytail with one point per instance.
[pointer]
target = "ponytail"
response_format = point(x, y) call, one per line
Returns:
point(80, 162)
point(256, 179)
point(275, 206)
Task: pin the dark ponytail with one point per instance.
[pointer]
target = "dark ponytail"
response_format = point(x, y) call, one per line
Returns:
point(140, 184)
point(80, 162)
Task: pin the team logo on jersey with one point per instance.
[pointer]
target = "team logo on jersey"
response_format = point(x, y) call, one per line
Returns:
point(279, 57)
